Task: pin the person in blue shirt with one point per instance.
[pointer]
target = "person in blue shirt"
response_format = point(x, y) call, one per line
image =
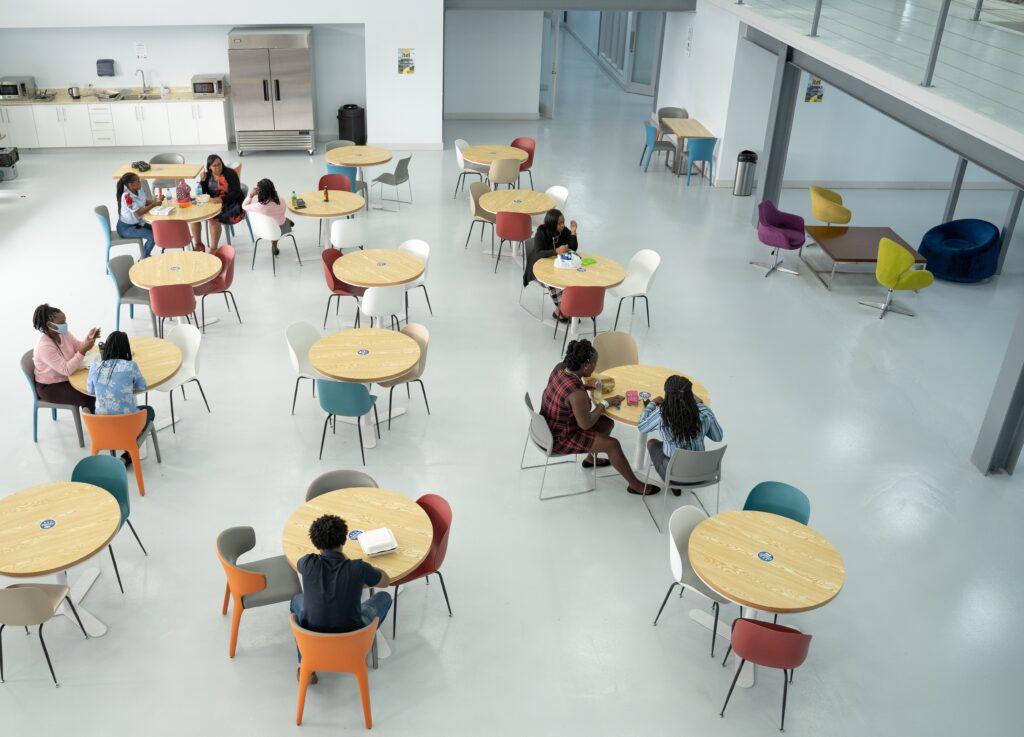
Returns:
point(682, 420)
point(114, 379)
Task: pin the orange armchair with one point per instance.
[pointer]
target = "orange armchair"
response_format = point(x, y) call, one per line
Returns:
point(120, 432)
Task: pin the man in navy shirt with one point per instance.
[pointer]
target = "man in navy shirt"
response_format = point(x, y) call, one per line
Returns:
point(332, 585)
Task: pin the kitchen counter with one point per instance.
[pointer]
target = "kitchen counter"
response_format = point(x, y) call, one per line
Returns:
point(61, 97)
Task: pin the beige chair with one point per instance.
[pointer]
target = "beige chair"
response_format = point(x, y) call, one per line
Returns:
point(421, 335)
point(25, 605)
point(615, 349)
point(503, 171)
point(340, 479)
point(479, 214)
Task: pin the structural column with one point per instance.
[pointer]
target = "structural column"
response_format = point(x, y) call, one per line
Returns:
point(999, 440)
point(954, 189)
point(785, 92)
point(1011, 222)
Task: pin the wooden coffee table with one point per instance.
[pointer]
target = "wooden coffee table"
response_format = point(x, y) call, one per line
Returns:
point(158, 361)
point(845, 245)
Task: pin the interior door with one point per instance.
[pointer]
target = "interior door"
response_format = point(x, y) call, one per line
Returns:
point(644, 52)
point(250, 89)
point(549, 62)
point(291, 89)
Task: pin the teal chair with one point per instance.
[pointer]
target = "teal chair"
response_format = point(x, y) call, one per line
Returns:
point(358, 185)
point(109, 473)
point(781, 499)
point(110, 236)
point(701, 149)
point(652, 145)
point(345, 399)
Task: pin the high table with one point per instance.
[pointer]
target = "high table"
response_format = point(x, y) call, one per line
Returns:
point(765, 563)
point(358, 156)
point(605, 273)
point(47, 529)
point(379, 267)
point(158, 361)
point(517, 200)
point(486, 154)
point(339, 204)
point(845, 245)
point(175, 267)
point(684, 128)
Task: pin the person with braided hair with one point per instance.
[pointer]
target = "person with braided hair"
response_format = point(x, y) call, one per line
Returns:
point(683, 421)
point(57, 355)
point(577, 425)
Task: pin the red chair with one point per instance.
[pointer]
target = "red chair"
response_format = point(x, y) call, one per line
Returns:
point(516, 227)
point(338, 288)
point(528, 145)
point(337, 182)
point(440, 514)
point(769, 645)
point(580, 302)
point(176, 300)
point(171, 234)
point(221, 284)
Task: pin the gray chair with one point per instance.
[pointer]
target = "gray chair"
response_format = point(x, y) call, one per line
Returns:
point(680, 528)
point(400, 176)
point(540, 435)
point(421, 335)
point(26, 605)
point(166, 159)
point(670, 112)
point(340, 479)
point(111, 236)
point(677, 146)
point(691, 469)
point(479, 214)
point(28, 368)
point(127, 293)
point(341, 143)
point(280, 582)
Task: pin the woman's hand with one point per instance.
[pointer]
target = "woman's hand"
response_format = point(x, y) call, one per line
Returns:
point(658, 400)
point(614, 401)
point(90, 340)
point(562, 249)
point(572, 227)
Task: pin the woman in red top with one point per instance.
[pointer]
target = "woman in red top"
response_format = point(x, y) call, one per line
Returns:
point(223, 186)
point(578, 426)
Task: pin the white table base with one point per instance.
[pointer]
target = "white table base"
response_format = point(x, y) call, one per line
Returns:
point(369, 432)
point(93, 626)
point(748, 677)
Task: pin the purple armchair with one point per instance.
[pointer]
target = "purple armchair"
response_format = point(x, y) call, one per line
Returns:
point(780, 231)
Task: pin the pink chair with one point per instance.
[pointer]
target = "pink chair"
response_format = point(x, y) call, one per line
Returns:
point(221, 284)
point(528, 145)
point(769, 645)
point(780, 231)
point(338, 288)
point(516, 227)
point(336, 182)
point(176, 300)
point(580, 302)
point(171, 234)
point(440, 514)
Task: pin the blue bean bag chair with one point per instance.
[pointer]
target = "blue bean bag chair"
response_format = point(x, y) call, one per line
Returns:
point(962, 250)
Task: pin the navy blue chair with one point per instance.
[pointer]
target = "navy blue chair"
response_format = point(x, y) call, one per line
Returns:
point(962, 250)
point(346, 399)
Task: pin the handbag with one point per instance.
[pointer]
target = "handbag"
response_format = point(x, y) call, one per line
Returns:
point(141, 166)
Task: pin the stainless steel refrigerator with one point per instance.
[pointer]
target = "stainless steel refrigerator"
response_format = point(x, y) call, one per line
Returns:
point(272, 88)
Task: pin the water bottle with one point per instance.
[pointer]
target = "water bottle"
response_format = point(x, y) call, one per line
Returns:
point(295, 200)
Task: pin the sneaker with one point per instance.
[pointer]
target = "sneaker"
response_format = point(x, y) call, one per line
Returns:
point(313, 680)
point(126, 459)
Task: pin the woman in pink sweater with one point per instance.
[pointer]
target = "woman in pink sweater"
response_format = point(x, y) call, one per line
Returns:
point(59, 354)
point(267, 203)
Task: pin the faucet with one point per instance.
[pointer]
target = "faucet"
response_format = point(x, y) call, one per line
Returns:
point(145, 89)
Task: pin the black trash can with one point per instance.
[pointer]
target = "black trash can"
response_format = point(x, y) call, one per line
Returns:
point(352, 124)
point(746, 163)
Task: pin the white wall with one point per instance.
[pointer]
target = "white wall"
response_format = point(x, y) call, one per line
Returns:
point(339, 57)
point(586, 25)
point(492, 63)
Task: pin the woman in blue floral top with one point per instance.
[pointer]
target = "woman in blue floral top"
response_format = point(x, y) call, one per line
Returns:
point(114, 381)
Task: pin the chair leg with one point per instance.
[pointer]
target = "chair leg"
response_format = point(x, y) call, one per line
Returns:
point(255, 246)
point(76, 413)
point(295, 396)
point(328, 310)
point(647, 307)
point(785, 689)
point(424, 390)
point(171, 397)
point(202, 311)
point(470, 233)
point(427, 295)
point(77, 618)
point(391, 393)
point(362, 450)
point(734, 679)
point(110, 548)
point(132, 528)
point(2, 653)
point(236, 620)
point(727, 651)
point(616, 327)
point(237, 313)
point(364, 695)
point(296, 244)
point(47, 654)
point(156, 443)
point(714, 630)
point(323, 437)
point(445, 592)
point(376, 420)
point(394, 614)
point(202, 394)
point(665, 601)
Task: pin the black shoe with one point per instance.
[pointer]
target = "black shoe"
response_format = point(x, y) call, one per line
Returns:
point(126, 458)
point(649, 490)
point(601, 463)
point(677, 492)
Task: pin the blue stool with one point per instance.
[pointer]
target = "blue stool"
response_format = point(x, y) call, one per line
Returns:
point(962, 250)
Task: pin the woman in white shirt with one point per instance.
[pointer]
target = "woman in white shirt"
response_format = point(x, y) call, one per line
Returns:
point(132, 205)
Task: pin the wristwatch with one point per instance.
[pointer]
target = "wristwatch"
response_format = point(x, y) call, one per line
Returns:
point(604, 403)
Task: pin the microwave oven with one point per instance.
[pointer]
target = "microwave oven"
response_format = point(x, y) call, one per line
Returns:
point(208, 85)
point(17, 88)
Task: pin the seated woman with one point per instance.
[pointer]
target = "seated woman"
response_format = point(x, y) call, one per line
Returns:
point(131, 206)
point(223, 186)
point(57, 355)
point(114, 379)
point(550, 239)
point(578, 427)
point(683, 421)
point(263, 199)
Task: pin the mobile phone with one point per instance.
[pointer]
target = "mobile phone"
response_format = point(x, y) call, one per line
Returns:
point(300, 203)
point(632, 398)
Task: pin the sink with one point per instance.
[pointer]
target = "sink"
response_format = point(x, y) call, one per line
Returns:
point(141, 97)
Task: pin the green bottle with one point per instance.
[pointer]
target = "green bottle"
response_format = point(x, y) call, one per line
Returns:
point(295, 200)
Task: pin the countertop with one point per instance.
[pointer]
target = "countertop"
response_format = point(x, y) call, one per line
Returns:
point(61, 97)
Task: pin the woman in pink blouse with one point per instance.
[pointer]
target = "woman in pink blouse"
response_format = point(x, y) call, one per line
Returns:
point(263, 199)
point(59, 354)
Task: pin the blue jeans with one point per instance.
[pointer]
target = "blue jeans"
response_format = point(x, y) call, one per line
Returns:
point(142, 230)
point(375, 607)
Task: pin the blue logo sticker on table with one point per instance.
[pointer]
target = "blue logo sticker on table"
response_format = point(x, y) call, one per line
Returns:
point(644, 395)
point(580, 268)
point(175, 268)
point(766, 556)
point(46, 524)
point(363, 352)
point(354, 534)
point(382, 263)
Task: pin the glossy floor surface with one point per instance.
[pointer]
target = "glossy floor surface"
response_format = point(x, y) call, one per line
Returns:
point(553, 601)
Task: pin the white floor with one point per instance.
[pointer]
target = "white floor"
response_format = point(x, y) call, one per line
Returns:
point(553, 601)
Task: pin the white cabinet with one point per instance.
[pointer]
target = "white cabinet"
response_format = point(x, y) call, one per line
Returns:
point(181, 116)
point(197, 123)
point(144, 124)
point(153, 120)
point(127, 129)
point(19, 125)
point(211, 123)
point(77, 126)
point(49, 125)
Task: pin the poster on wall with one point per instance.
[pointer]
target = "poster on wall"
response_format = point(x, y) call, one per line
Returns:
point(815, 90)
point(407, 61)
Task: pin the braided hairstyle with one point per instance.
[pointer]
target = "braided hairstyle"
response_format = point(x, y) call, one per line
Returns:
point(42, 316)
point(679, 411)
point(116, 346)
point(578, 353)
point(122, 184)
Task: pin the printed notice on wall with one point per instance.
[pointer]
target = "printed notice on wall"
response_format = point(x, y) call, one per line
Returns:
point(407, 61)
point(140, 51)
point(815, 90)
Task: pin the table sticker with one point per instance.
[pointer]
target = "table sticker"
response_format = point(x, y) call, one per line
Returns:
point(46, 524)
point(363, 352)
point(517, 202)
point(645, 395)
point(580, 268)
point(766, 556)
point(175, 268)
point(382, 263)
point(354, 534)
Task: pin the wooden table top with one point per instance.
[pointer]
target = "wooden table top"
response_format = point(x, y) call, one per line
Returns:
point(517, 200)
point(339, 204)
point(175, 267)
point(379, 267)
point(857, 245)
point(191, 214)
point(358, 155)
point(163, 171)
point(605, 273)
point(643, 379)
point(49, 528)
point(365, 509)
point(687, 128)
point(389, 354)
point(488, 153)
point(766, 561)
point(158, 361)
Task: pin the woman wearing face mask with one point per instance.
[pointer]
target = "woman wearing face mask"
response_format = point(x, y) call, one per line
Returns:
point(552, 238)
point(223, 186)
point(57, 355)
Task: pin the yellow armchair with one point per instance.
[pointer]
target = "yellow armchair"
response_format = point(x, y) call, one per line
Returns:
point(895, 271)
point(827, 206)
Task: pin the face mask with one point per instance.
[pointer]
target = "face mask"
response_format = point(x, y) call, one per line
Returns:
point(59, 329)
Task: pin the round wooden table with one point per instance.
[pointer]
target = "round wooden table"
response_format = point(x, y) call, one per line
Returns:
point(192, 214)
point(158, 361)
point(365, 509)
point(517, 200)
point(486, 154)
point(339, 204)
point(379, 267)
point(358, 156)
point(49, 528)
point(605, 273)
point(175, 267)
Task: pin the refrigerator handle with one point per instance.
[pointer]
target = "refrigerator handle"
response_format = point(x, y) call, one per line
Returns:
point(277, 90)
point(266, 91)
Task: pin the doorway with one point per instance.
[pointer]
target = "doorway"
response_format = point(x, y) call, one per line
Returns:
point(629, 48)
point(549, 62)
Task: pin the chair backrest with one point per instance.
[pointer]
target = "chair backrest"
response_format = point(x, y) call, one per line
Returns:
point(560, 194)
point(418, 248)
point(529, 402)
point(264, 226)
point(108, 473)
point(24, 606)
point(513, 226)
point(167, 159)
point(226, 254)
point(402, 170)
point(893, 261)
point(119, 266)
point(348, 171)
point(171, 234)
point(103, 216)
point(329, 256)
point(642, 267)
point(650, 135)
point(615, 348)
point(232, 543)
point(528, 145)
point(476, 191)
point(827, 206)
point(769, 645)
point(341, 479)
point(670, 112)
point(680, 527)
point(540, 433)
point(695, 467)
point(343, 398)
point(503, 171)
point(173, 300)
point(114, 432)
point(421, 335)
point(701, 149)
point(582, 301)
point(440, 514)
point(337, 231)
point(340, 143)
point(383, 301)
point(459, 158)
point(343, 652)
point(188, 338)
point(300, 337)
point(28, 368)
point(779, 498)
point(336, 182)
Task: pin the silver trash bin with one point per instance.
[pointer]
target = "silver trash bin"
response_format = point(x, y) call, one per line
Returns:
point(746, 163)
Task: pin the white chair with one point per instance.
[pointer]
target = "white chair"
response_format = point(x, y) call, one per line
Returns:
point(503, 171)
point(421, 335)
point(422, 250)
point(341, 227)
point(465, 167)
point(615, 348)
point(479, 214)
point(639, 275)
point(680, 527)
point(691, 469)
point(382, 302)
point(265, 228)
point(539, 434)
point(187, 338)
point(560, 195)
point(300, 337)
